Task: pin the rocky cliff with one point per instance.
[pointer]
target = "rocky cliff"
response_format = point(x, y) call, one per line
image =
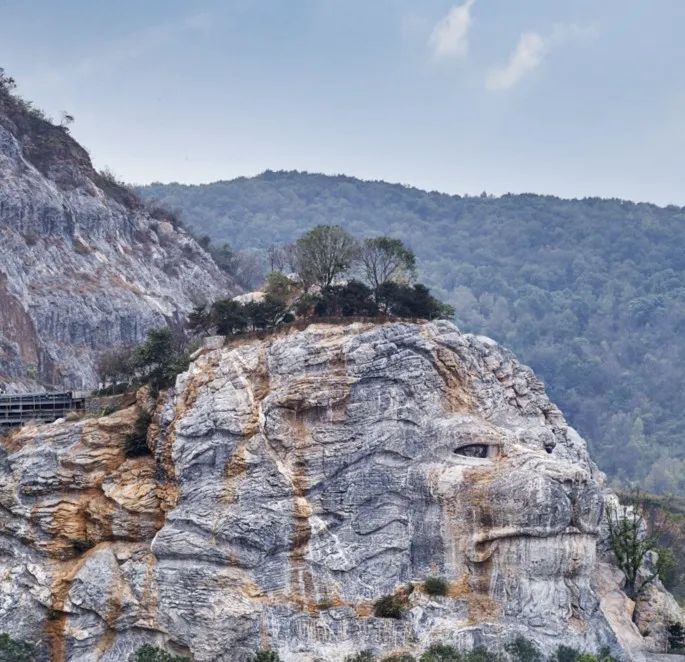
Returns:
point(83, 266)
point(293, 481)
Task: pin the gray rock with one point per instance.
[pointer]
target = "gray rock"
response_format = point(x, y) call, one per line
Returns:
point(296, 480)
point(81, 272)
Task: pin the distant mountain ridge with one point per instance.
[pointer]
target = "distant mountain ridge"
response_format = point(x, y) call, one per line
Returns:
point(590, 293)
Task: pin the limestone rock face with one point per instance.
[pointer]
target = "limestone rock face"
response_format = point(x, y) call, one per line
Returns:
point(82, 265)
point(295, 480)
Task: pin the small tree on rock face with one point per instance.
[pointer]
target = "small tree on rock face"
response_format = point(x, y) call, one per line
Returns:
point(159, 359)
point(385, 259)
point(323, 254)
point(200, 319)
point(630, 544)
point(115, 366)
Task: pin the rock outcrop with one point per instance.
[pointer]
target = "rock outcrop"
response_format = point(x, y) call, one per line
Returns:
point(296, 479)
point(83, 266)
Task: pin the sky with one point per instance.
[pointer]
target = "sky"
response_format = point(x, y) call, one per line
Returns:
point(574, 98)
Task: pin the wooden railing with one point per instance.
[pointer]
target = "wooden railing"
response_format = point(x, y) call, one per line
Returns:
point(44, 407)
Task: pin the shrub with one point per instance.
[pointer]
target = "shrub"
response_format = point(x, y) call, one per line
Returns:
point(676, 636)
point(399, 657)
point(523, 650)
point(667, 567)
point(279, 287)
point(135, 443)
point(411, 301)
point(565, 654)
point(436, 586)
point(348, 300)
point(160, 358)
point(229, 317)
point(12, 650)
point(481, 654)
point(389, 606)
point(148, 653)
point(364, 656)
point(265, 656)
point(441, 653)
point(265, 313)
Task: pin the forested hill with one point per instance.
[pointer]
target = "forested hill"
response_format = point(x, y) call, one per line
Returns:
point(590, 293)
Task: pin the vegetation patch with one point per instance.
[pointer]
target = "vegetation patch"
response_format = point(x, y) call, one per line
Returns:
point(390, 606)
point(523, 650)
point(436, 586)
point(135, 443)
point(148, 653)
point(12, 650)
point(265, 656)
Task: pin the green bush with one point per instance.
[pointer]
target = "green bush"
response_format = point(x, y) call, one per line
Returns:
point(12, 650)
point(411, 301)
point(399, 657)
point(135, 443)
point(349, 300)
point(160, 358)
point(389, 606)
point(481, 654)
point(667, 567)
point(363, 656)
point(523, 650)
point(279, 287)
point(441, 653)
point(436, 586)
point(676, 636)
point(565, 654)
point(568, 654)
point(265, 656)
point(149, 653)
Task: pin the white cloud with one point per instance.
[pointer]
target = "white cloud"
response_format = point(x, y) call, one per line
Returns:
point(450, 37)
point(531, 50)
point(527, 56)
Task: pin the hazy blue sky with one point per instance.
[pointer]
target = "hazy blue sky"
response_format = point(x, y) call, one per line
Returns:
point(573, 97)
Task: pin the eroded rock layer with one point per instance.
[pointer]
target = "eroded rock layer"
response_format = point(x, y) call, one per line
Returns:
point(295, 480)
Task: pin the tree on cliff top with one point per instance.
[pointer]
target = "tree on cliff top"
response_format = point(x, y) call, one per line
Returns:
point(386, 259)
point(323, 254)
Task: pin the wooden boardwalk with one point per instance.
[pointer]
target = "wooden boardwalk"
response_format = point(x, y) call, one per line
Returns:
point(44, 407)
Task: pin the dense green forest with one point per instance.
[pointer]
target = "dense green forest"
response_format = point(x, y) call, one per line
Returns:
point(590, 293)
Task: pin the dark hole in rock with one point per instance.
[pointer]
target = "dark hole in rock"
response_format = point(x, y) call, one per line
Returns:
point(473, 450)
